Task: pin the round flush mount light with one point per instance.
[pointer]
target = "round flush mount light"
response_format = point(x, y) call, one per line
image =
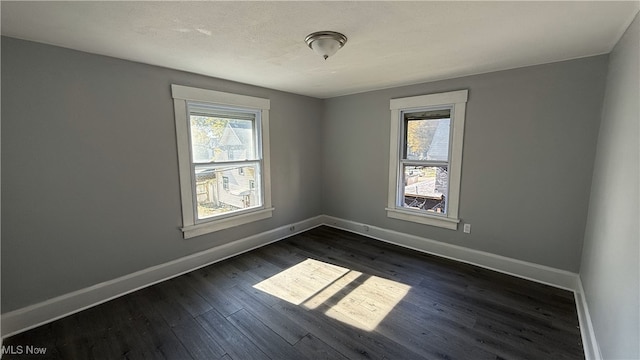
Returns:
point(325, 43)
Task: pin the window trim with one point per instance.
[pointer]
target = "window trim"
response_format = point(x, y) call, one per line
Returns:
point(181, 96)
point(457, 100)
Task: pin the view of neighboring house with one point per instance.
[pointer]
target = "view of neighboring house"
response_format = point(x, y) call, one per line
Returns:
point(223, 188)
point(426, 186)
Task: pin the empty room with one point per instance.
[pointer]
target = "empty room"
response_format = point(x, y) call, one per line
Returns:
point(320, 180)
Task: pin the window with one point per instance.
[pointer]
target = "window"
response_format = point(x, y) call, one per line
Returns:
point(225, 183)
point(223, 157)
point(426, 158)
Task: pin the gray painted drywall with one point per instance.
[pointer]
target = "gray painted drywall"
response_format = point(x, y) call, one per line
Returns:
point(90, 174)
point(529, 145)
point(610, 270)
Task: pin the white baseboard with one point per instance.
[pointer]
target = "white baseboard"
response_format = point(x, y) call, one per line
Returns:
point(38, 314)
point(589, 342)
point(35, 315)
point(522, 269)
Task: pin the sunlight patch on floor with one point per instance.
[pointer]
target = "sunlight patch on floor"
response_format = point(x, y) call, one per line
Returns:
point(368, 304)
point(301, 281)
point(355, 298)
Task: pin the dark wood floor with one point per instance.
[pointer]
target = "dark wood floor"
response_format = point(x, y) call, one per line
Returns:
point(323, 294)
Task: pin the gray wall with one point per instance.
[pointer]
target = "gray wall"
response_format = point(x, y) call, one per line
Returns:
point(90, 186)
point(90, 174)
point(530, 138)
point(610, 272)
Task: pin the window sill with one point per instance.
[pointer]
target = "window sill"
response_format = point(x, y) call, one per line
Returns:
point(439, 221)
point(221, 224)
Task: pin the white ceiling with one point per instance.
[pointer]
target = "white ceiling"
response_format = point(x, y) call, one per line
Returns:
point(389, 43)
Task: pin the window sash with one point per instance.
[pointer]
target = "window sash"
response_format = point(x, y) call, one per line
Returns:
point(400, 199)
point(230, 113)
point(403, 162)
point(231, 165)
point(423, 162)
point(223, 112)
point(405, 126)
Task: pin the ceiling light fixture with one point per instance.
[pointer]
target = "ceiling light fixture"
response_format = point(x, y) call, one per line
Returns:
point(325, 43)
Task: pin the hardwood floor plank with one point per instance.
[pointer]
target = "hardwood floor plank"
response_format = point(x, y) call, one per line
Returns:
point(288, 330)
point(197, 341)
point(166, 305)
point(99, 328)
point(526, 336)
point(230, 269)
point(219, 299)
point(151, 324)
point(315, 348)
point(348, 340)
point(254, 264)
point(186, 296)
point(420, 331)
point(268, 341)
point(478, 305)
point(213, 274)
point(234, 342)
point(68, 342)
point(137, 343)
point(281, 257)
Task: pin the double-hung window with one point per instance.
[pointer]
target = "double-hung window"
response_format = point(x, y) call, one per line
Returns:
point(223, 156)
point(426, 158)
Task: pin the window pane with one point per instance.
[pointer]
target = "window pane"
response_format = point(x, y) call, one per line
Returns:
point(427, 139)
point(222, 139)
point(223, 189)
point(425, 188)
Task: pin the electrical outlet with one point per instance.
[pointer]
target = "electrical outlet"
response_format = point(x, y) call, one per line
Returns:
point(467, 228)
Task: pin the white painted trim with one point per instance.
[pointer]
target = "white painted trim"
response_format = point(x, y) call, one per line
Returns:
point(44, 312)
point(589, 341)
point(394, 158)
point(455, 162)
point(184, 161)
point(218, 97)
point(219, 224)
point(539, 273)
point(451, 97)
point(458, 101)
point(423, 218)
point(266, 157)
point(181, 95)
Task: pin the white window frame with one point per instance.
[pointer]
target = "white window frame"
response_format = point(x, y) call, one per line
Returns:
point(457, 101)
point(182, 95)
